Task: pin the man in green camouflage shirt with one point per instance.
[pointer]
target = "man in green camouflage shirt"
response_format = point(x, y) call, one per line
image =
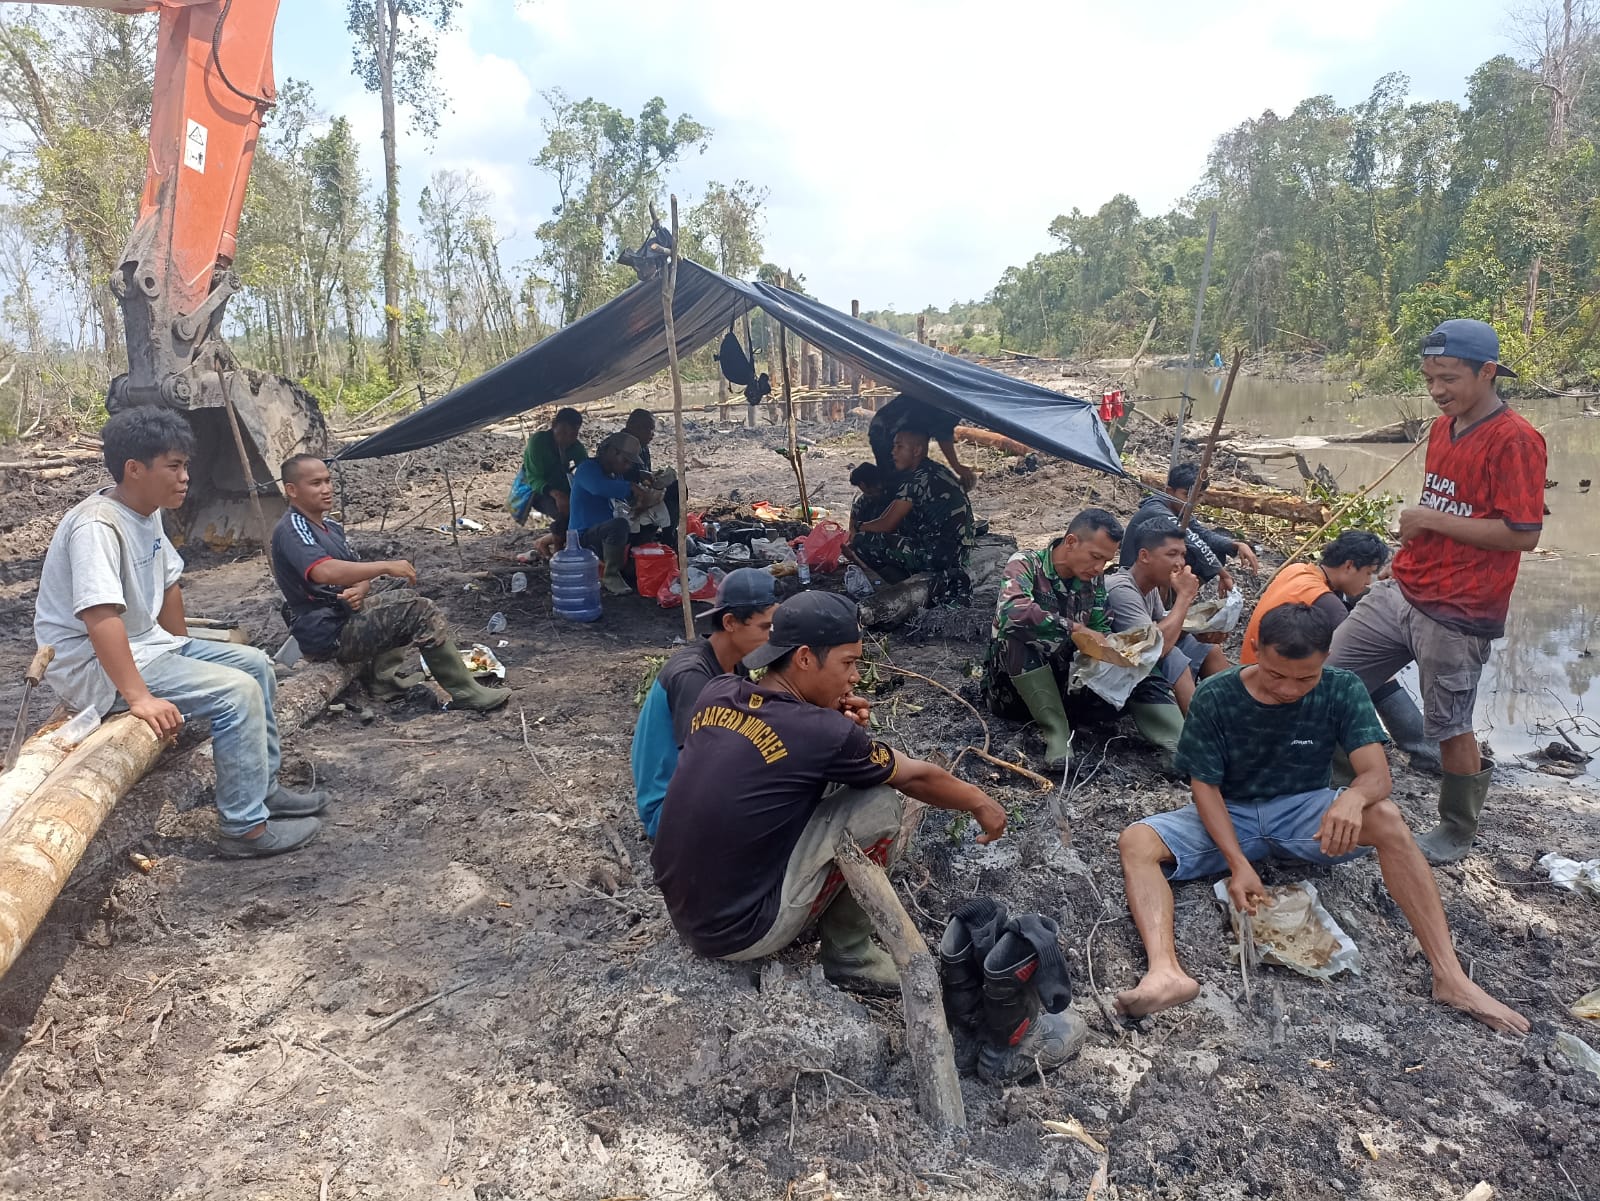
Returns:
point(927, 527)
point(1046, 595)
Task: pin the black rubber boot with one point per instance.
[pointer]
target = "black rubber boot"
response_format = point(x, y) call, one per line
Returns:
point(1027, 1027)
point(453, 673)
point(968, 938)
point(1403, 720)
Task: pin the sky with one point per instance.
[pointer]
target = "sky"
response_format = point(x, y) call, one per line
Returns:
point(913, 149)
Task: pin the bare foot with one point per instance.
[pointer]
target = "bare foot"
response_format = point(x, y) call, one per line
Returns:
point(1473, 1001)
point(1157, 991)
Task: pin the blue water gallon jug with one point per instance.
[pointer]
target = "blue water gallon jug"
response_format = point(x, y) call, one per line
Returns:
point(575, 581)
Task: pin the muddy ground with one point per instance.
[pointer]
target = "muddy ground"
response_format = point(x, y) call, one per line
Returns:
point(218, 1029)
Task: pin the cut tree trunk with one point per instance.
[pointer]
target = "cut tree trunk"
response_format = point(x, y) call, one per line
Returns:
point(933, 1060)
point(38, 758)
point(994, 441)
point(1262, 504)
point(51, 829)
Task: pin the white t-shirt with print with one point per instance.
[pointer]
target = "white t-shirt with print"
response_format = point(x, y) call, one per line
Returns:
point(103, 553)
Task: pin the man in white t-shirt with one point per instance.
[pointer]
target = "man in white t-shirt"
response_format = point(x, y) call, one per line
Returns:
point(110, 604)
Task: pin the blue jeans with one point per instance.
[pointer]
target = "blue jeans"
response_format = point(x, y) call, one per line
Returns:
point(233, 687)
point(1285, 825)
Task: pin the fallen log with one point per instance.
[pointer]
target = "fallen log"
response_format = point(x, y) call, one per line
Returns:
point(46, 464)
point(933, 1060)
point(1262, 504)
point(994, 441)
point(51, 829)
point(40, 756)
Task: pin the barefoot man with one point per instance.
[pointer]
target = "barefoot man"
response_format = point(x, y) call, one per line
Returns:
point(1258, 750)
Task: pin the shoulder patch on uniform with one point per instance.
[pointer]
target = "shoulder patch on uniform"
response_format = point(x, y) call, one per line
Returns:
point(881, 755)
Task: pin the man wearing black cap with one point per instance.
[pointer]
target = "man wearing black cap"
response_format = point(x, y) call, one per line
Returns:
point(1482, 506)
point(736, 625)
point(770, 774)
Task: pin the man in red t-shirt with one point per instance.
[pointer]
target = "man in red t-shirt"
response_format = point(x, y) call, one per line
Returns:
point(1482, 506)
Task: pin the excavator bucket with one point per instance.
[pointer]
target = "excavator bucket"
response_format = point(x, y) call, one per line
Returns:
point(276, 418)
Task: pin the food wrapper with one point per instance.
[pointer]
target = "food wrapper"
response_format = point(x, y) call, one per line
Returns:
point(1294, 931)
point(1112, 669)
point(1587, 1007)
point(480, 661)
point(1216, 616)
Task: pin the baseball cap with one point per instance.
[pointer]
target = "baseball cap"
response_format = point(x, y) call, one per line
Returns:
point(742, 586)
point(1464, 338)
point(808, 619)
point(624, 444)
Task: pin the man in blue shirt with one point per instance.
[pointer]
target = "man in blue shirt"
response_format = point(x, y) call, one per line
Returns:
point(595, 484)
point(736, 625)
point(1258, 749)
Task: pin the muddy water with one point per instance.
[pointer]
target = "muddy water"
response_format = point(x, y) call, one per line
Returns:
point(1546, 665)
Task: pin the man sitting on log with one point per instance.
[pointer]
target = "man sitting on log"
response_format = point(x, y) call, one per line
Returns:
point(1258, 749)
point(927, 526)
point(908, 413)
point(333, 612)
point(1046, 596)
point(1208, 549)
point(109, 602)
point(736, 625)
point(770, 774)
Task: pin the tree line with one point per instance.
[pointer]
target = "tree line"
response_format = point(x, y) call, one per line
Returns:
point(1350, 231)
point(345, 290)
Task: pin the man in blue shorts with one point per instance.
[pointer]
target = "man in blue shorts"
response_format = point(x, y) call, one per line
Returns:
point(1258, 748)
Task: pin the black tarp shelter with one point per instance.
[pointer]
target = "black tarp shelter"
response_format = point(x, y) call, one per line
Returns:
point(624, 341)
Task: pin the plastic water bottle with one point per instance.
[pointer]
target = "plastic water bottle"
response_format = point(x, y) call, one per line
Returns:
point(800, 562)
point(575, 581)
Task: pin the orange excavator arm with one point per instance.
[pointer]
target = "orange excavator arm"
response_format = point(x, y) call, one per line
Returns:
point(213, 85)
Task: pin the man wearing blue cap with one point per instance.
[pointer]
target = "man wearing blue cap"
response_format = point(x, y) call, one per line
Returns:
point(736, 625)
point(1482, 506)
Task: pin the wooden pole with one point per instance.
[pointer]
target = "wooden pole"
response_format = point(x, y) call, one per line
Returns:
point(49, 832)
point(855, 375)
point(1211, 443)
point(788, 406)
point(669, 285)
point(1194, 338)
point(933, 1061)
point(922, 329)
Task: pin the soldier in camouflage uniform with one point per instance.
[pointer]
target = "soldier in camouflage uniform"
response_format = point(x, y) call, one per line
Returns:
point(927, 526)
point(1046, 595)
point(334, 614)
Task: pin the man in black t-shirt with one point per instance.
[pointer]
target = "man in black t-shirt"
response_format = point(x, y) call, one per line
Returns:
point(332, 611)
point(770, 774)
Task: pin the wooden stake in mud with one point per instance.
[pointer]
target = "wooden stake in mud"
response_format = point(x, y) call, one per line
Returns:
point(933, 1060)
point(1211, 443)
point(1194, 339)
point(669, 285)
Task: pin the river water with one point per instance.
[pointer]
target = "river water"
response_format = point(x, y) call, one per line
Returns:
point(1546, 665)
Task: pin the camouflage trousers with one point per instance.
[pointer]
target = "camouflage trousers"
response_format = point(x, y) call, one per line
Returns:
point(896, 558)
point(389, 621)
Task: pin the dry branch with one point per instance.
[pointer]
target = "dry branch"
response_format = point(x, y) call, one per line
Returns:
point(50, 830)
point(933, 1061)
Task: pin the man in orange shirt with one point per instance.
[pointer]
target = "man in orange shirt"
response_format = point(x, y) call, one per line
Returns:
point(1348, 566)
point(1482, 506)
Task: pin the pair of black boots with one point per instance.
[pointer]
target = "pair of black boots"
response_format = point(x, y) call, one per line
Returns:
point(1006, 992)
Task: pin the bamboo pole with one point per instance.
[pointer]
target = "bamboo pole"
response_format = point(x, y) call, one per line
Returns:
point(933, 1061)
point(47, 835)
point(788, 406)
point(669, 285)
point(1187, 514)
point(855, 375)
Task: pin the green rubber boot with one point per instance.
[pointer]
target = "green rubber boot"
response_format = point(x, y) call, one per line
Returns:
point(611, 578)
point(1039, 691)
point(1460, 804)
point(850, 959)
point(1161, 725)
point(386, 677)
point(452, 672)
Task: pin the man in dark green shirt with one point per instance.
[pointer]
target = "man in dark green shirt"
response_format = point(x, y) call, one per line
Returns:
point(1258, 750)
point(544, 483)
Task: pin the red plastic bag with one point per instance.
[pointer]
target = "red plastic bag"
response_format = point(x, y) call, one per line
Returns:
point(695, 523)
point(654, 565)
point(668, 597)
point(823, 545)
